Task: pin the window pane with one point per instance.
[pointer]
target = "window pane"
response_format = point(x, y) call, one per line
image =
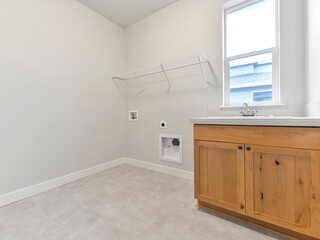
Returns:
point(251, 28)
point(251, 79)
point(262, 96)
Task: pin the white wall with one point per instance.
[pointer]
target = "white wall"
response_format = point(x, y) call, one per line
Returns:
point(59, 110)
point(183, 29)
point(313, 57)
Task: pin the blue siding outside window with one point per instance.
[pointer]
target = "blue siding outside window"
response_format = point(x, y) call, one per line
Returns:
point(251, 82)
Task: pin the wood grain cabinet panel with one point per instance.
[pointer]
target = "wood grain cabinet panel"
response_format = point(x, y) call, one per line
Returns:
point(281, 188)
point(276, 187)
point(221, 175)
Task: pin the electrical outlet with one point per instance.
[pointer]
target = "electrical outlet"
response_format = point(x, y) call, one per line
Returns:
point(163, 124)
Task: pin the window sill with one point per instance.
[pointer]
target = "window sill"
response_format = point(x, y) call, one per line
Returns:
point(253, 105)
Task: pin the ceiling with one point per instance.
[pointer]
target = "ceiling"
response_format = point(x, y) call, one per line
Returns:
point(126, 12)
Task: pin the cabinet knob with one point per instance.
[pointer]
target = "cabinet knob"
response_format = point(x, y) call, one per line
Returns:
point(277, 162)
point(240, 147)
point(249, 148)
point(241, 206)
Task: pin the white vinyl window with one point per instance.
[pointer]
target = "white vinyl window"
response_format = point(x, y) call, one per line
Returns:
point(251, 52)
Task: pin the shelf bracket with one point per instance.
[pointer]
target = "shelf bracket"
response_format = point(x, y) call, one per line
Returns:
point(202, 68)
point(209, 63)
point(141, 84)
point(114, 77)
point(165, 74)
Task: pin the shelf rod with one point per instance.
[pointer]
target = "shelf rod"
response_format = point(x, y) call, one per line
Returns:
point(165, 74)
point(202, 68)
point(141, 84)
point(167, 70)
point(122, 79)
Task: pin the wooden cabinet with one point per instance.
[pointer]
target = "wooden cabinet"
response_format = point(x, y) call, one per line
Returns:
point(280, 187)
point(221, 175)
point(273, 185)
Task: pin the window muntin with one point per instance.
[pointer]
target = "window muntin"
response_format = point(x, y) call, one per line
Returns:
point(251, 56)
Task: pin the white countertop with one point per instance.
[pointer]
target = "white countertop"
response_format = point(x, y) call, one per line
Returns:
point(259, 121)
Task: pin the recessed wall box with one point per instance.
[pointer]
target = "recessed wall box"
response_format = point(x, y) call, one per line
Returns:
point(133, 116)
point(170, 148)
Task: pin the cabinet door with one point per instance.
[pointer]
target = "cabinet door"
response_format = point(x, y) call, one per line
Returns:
point(282, 187)
point(219, 174)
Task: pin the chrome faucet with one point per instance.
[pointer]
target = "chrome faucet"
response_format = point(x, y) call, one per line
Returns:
point(247, 112)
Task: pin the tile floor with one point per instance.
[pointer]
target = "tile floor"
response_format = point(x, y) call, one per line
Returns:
point(122, 203)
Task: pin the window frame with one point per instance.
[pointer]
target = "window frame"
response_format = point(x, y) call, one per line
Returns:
point(234, 5)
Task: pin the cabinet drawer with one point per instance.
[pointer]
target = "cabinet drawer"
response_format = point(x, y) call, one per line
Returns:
point(293, 137)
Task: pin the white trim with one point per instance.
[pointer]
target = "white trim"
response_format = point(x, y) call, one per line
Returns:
point(276, 54)
point(257, 105)
point(225, 73)
point(57, 182)
point(21, 194)
point(250, 85)
point(250, 54)
point(233, 5)
point(160, 168)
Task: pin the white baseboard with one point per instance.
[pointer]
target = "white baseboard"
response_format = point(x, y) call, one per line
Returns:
point(48, 185)
point(160, 168)
point(20, 194)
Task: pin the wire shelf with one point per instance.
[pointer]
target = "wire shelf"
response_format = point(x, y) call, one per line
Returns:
point(199, 59)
